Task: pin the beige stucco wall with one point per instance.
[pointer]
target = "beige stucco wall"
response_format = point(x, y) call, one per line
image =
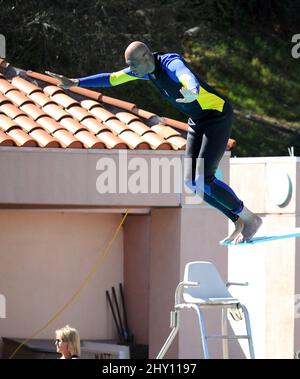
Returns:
point(44, 257)
point(271, 268)
point(179, 236)
point(137, 275)
point(88, 177)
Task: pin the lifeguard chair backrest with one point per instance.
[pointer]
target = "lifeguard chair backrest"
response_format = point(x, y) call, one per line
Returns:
point(211, 283)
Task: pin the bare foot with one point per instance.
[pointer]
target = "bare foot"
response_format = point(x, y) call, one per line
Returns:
point(251, 226)
point(239, 226)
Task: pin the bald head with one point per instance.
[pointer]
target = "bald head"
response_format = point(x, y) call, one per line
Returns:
point(136, 49)
point(139, 58)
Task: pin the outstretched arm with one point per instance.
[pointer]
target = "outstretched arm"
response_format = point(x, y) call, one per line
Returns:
point(98, 80)
point(64, 81)
point(182, 74)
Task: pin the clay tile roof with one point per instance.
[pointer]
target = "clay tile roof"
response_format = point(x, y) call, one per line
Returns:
point(156, 141)
point(52, 90)
point(177, 142)
point(127, 117)
point(90, 104)
point(64, 100)
point(5, 140)
point(26, 123)
point(44, 139)
point(118, 103)
point(18, 98)
point(6, 123)
point(95, 126)
point(86, 92)
point(89, 140)
point(35, 112)
point(4, 99)
point(21, 138)
point(41, 99)
point(111, 141)
point(24, 85)
point(72, 125)
point(133, 140)
point(49, 124)
point(116, 126)
point(11, 110)
point(67, 139)
point(144, 114)
point(139, 127)
point(102, 114)
point(78, 112)
point(55, 111)
point(165, 131)
point(5, 85)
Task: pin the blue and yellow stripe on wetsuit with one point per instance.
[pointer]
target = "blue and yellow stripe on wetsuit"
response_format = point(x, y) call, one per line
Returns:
point(170, 74)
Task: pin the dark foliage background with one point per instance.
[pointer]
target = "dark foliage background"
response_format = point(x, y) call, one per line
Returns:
point(238, 46)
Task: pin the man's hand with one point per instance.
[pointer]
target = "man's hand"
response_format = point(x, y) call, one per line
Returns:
point(65, 82)
point(189, 95)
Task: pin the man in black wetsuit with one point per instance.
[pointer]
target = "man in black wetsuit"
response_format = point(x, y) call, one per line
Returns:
point(210, 123)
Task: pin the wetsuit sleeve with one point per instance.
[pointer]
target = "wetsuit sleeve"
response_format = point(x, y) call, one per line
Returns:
point(180, 73)
point(109, 79)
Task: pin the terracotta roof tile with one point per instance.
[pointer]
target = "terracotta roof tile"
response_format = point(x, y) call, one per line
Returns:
point(18, 98)
point(177, 142)
point(86, 92)
point(49, 124)
point(26, 123)
point(144, 114)
point(6, 123)
point(165, 131)
point(90, 104)
point(55, 111)
point(5, 86)
point(102, 114)
point(42, 77)
point(52, 90)
point(67, 139)
point(177, 124)
point(41, 99)
point(139, 127)
point(116, 126)
point(24, 85)
point(21, 138)
point(127, 117)
point(118, 103)
point(156, 141)
point(44, 139)
point(94, 125)
point(5, 140)
point(64, 100)
point(111, 141)
point(33, 111)
point(89, 140)
point(4, 99)
point(78, 118)
point(133, 140)
point(78, 112)
point(72, 125)
point(11, 110)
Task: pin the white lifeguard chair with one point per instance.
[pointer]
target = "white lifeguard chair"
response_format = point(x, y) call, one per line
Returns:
point(203, 287)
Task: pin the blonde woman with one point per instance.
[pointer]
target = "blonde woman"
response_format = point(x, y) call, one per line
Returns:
point(68, 342)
